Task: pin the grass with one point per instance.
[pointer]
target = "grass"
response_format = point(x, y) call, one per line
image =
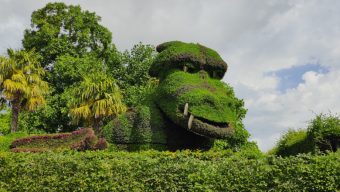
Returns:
point(6, 140)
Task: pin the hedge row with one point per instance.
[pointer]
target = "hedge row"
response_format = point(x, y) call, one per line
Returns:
point(83, 139)
point(166, 171)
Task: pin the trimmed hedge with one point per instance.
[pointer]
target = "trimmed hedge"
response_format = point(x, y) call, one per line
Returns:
point(166, 171)
point(83, 139)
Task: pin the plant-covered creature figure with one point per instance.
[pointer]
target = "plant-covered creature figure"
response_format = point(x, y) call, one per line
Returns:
point(189, 108)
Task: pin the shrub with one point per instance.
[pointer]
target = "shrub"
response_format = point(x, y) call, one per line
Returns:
point(324, 130)
point(322, 134)
point(293, 142)
point(81, 140)
point(166, 171)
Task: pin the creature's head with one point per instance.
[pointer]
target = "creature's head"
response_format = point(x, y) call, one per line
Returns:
point(191, 94)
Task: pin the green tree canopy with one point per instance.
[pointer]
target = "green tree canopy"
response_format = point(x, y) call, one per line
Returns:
point(72, 42)
point(133, 75)
point(58, 29)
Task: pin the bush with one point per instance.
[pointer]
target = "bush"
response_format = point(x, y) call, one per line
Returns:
point(293, 142)
point(81, 140)
point(324, 130)
point(166, 171)
point(323, 134)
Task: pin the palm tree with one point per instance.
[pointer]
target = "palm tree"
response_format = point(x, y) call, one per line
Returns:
point(21, 82)
point(97, 96)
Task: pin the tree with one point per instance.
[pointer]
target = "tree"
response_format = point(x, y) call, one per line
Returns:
point(136, 65)
point(58, 29)
point(94, 98)
point(133, 75)
point(71, 41)
point(21, 82)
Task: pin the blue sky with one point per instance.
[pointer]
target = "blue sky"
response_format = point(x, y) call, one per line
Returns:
point(283, 56)
point(290, 78)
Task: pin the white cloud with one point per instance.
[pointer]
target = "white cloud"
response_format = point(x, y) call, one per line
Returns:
point(254, 37)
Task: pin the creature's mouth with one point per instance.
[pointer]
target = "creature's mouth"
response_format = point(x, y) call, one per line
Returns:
point(202, 126)
point(212, 123)
point(206, 128)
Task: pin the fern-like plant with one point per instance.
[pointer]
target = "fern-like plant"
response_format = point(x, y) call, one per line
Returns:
point(21, 82)
point(97, 96)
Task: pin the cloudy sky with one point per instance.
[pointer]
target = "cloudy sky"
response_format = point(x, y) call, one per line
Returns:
point(283, 56)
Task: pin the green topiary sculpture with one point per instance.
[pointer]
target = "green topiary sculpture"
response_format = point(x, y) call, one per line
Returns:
point(189, 108)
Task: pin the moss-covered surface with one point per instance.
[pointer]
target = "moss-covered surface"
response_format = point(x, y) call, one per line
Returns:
point(194, 57)
point(139, 128)
point(216, 110)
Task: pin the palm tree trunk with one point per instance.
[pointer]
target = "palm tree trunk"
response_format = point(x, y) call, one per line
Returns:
point(15, 116)
point(96, 126)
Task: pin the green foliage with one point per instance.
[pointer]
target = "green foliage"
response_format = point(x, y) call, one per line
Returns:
point(136, 65)
point(135, 95)
point(244, 149)
point(167, 171)
point(6, 140)
point(208, 99)
point(69, 70)
point(133, 75)
point(21, 82)
point(140, 128)
point(58, 29)
point(322, 134)
point(217, 112)
point(51, 119)
point(5, 121)
point(96, 97)
point(176, 55)
point(293, 142)
point(72, 43)
point(324, 130)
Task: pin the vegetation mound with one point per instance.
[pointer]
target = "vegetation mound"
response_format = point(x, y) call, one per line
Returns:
point(321, 135)
point(83, 139)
